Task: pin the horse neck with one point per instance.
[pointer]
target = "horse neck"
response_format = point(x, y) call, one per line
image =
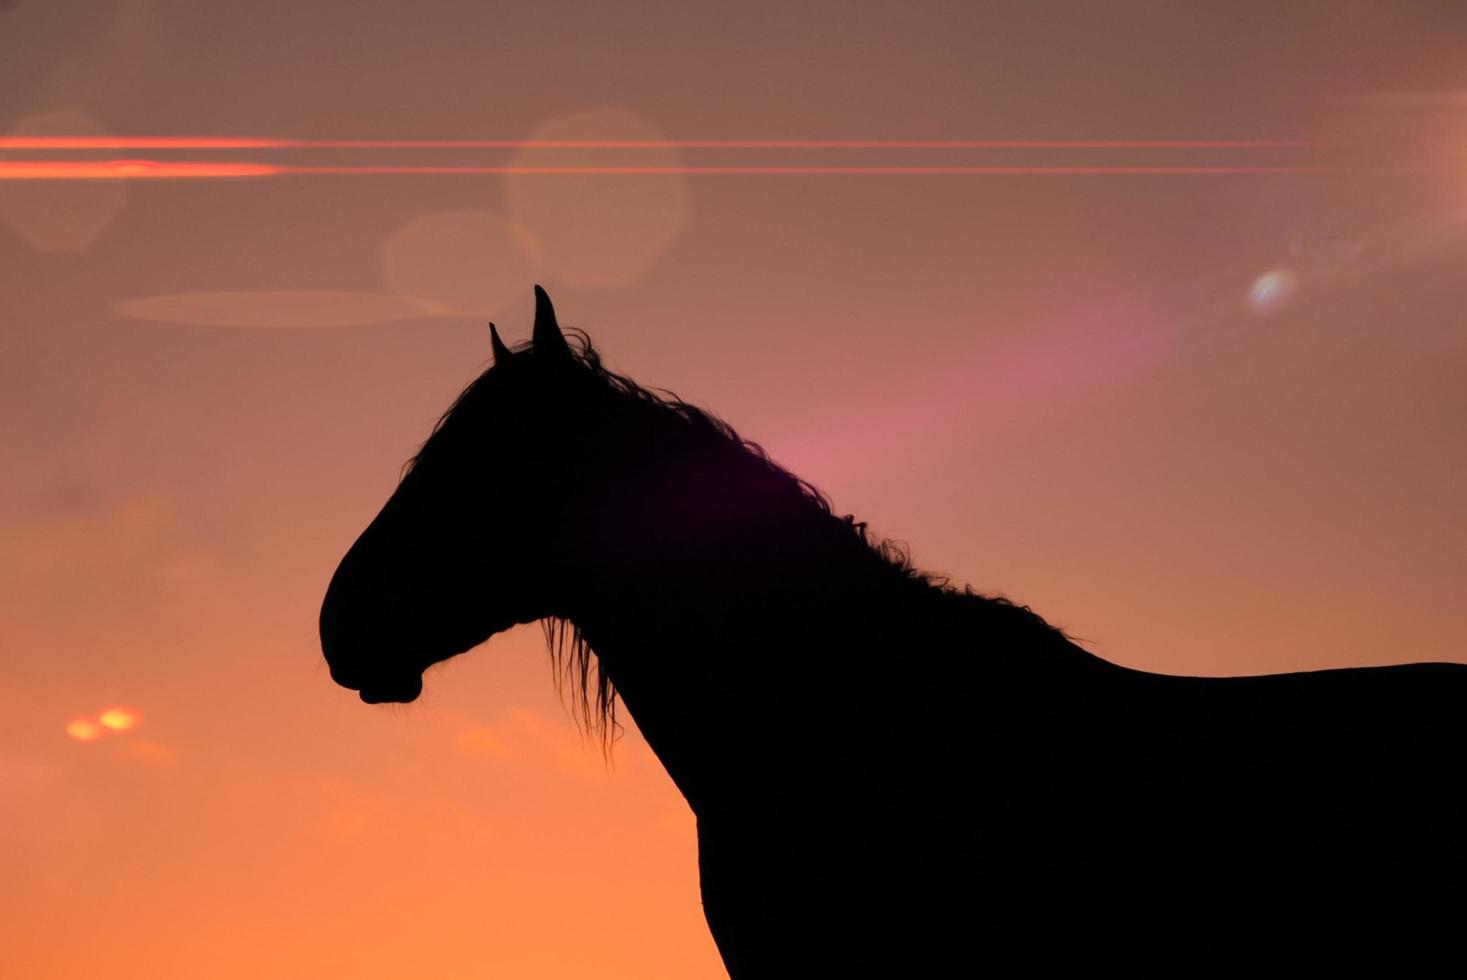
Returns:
point(723, 648)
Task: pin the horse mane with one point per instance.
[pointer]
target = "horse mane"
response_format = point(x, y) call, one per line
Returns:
point(593, 701)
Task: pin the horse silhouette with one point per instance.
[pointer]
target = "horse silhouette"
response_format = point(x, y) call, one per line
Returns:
point(893, 776)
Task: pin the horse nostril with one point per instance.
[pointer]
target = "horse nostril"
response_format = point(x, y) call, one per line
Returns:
point(344, 676)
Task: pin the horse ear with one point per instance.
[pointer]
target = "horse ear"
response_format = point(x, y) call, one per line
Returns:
point(502, 354)
point(547, 337)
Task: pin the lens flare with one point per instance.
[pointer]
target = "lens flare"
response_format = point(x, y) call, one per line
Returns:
point(83, 730)
point(118, 719)
point(1272, 290)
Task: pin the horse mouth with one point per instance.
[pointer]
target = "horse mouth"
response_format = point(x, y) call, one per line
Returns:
point(398, 690)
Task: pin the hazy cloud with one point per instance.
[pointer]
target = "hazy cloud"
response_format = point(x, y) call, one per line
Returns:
point(481, 741)
point(1444, 99)
point(277, 308)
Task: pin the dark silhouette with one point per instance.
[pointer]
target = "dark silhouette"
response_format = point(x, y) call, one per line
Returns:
point(893, 776)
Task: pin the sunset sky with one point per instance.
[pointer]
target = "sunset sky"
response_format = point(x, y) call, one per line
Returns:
point(1185, 373)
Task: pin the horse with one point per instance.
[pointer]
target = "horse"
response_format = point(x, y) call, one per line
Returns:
point(891, 775)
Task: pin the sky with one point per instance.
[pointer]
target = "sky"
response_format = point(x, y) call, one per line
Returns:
point(1182, 372)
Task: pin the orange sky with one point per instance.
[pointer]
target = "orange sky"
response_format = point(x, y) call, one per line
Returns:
point(1071, 388)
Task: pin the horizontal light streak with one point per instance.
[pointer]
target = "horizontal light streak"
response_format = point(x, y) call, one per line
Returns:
point(154, 170)
point(248, 143)
point(129, 170)
point(1010, 169)
point(150, 169)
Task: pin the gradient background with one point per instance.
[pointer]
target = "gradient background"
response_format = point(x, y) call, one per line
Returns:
point(1051, 386)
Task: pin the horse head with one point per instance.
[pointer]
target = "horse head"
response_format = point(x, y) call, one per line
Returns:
point(462, 549)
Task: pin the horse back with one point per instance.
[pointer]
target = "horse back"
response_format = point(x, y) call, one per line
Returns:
point(1321, 815)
